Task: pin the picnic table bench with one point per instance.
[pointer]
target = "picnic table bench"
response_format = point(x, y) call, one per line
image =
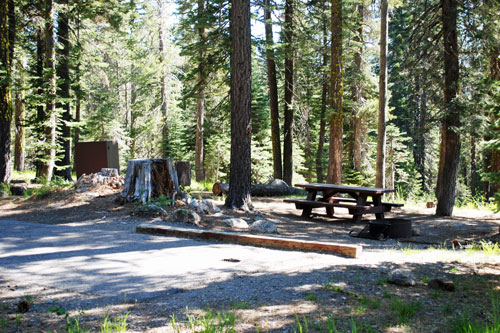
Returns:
point(357, 205)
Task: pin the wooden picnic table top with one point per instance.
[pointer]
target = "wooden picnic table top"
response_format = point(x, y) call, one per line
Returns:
point(345, 188)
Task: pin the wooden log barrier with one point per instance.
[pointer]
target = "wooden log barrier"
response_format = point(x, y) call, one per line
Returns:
point(353, 251)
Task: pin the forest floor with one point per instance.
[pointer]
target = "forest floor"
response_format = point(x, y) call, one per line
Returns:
point(321, 291)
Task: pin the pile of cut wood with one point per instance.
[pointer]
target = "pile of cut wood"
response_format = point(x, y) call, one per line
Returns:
point(106, 177)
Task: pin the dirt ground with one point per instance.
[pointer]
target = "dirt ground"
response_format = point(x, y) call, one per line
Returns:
point(356, 295)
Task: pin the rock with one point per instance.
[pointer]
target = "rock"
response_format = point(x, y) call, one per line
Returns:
point(441, 284)
point(277, 182)
point(211, 206)
point(202, 208)
point(186, 216)
point(151, 210)
point(236, 223)
point(3, 194)
point(192, 203)
point(18, 189)
point(402, 278)
point(415, 232)
point(264, 226)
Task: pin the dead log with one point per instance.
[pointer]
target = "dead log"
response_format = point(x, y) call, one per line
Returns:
point(183, 169)
point(150, 178)
point(273, 189)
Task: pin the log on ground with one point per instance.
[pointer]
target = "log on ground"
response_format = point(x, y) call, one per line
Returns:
point(261, 190)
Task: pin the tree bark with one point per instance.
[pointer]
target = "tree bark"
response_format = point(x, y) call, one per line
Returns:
point(241, 98)
point(150, 178)
point(492, 156)
point(336, 91)
point(49, 78)
point(324, 99)
point(5, 94)
point(165, 149)
point(200, 104)
point(64, 162)
point(273, 92)
point(288, 121)
point(183, 169)
point(20, 124)
point(382, 97)
point(450, 136)
point(357, 124)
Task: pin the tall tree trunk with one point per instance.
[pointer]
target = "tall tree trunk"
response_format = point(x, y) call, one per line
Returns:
point(64, 162)
point(200, 105)
point(49, 126)
point(40, 110)
point(382, 98)
point(473, 164)
point(357, 124)
point(165, 149)
point(288, 121)
point(450, 136)
point(5, 93)
point(492, 156)
point(421, 124)
point(336, 91)
point(77, 87)
point(273, 92)
point(241, 100)
point(20, 122)
point(324, 98)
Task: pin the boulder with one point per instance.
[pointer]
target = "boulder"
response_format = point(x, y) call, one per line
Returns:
point(264, 226)
point(402, 278)
point(185, 216)
point(211, 206)
point(278, 182)
point(236, 223)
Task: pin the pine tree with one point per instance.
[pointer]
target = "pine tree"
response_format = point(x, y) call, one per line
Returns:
point(5, 89)
point(241, 98)
point(336, 99)
point(450, 135)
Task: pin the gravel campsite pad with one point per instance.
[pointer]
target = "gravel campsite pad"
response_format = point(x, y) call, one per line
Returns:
point(254, 289)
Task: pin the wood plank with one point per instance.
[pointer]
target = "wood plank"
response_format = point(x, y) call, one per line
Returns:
point(353, 251)
point(345, 189)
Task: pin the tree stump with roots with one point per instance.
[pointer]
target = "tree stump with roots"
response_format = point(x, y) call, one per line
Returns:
point(151, 178)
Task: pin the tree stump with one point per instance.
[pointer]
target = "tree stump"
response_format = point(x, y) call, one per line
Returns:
point(150, 178)
point(183, 169)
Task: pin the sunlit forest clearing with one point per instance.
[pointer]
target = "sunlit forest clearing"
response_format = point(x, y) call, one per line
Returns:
point(396, 100)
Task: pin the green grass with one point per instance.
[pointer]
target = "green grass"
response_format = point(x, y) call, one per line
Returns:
point(57, 184)
point(487, 247)
point(311, 297)
point(467, 323)
point(114, 324)
point(239, 305)
point(210, 322)
point(405, 311)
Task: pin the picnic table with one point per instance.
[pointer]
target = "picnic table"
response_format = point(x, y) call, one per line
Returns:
point(357, 203)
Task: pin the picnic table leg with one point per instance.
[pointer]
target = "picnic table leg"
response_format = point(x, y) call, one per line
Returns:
point(377, 201)
point(311, 195)
point(360, 201)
